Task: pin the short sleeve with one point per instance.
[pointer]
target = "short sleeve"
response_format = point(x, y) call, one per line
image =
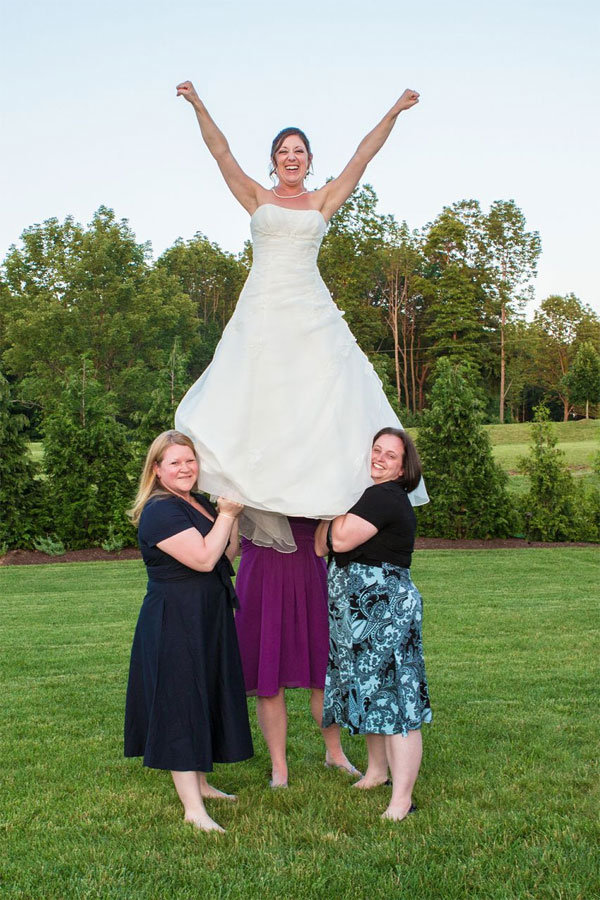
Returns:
point(377, 506)
point(161, 519)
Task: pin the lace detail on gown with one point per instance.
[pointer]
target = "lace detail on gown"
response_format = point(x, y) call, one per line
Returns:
point(284, 415)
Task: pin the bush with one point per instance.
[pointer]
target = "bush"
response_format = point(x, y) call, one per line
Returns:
point(86, 458)
point(50, 545)
point(21, 501)
point(468, 490)
point(556, 507)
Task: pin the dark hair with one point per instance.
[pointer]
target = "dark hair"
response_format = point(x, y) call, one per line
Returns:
point(280, 138)
point(411, 462)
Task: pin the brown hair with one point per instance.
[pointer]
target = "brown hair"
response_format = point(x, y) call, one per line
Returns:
point(410, 463)
point(280, 138)
point(150, 485)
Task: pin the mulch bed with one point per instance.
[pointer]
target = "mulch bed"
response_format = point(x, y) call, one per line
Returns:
point(96, 554)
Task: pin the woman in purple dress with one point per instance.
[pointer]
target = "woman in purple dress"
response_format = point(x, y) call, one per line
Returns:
point(283, 635)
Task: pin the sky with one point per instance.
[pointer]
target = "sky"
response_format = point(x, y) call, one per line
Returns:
point(509, 110)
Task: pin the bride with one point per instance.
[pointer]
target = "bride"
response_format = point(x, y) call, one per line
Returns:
point(287, 378)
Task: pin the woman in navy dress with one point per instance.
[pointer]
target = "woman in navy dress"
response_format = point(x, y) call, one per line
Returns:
point(186, 703)
point(376, 683)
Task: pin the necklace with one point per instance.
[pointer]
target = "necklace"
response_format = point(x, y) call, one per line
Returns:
point(288, 196)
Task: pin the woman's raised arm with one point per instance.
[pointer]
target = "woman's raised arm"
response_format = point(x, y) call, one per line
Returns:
point(243, 188)
point(337, 191)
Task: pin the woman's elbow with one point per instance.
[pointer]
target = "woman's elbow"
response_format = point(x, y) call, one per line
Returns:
point(204, 564)
point(342, 545)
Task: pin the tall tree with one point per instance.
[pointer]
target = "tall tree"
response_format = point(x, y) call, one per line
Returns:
point(403, 264)
point(92, 292)
point(457, 316)
point(563, 323)
point(512, 255)
point(158, 413)
point(212, 279)
point(523, 388)
point(583, 378)
point(351, 264)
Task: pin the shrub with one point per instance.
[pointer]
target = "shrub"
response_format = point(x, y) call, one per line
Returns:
point(556, 507)
point(21, 502)
point(50, 545)
point(468, 490)
point(86, 457)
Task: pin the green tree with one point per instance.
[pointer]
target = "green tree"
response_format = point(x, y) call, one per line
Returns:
point(468, 491)
point(212, 279)
point(91, 292)
point(20, 490)
point(583, 378)
point(512, 253)
point(563, 323)
point(554, 508)
point(403, 265)
point(458, 324)
point(171, 383)
point(87, 455)
point(351, 264)
point(522, 383)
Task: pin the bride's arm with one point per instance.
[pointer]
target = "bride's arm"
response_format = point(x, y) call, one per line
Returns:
point(337, 191)
point(243, 188)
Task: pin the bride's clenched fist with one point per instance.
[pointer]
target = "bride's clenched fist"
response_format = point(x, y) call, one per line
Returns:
point(408, 99)
point(186, 89)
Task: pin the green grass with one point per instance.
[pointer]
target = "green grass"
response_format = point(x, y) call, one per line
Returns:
point(36, 448)
point(508, 793)
point(569, 432)
point(580, 442)
point(578, 454)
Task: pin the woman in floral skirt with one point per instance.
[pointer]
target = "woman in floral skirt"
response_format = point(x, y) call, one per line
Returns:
point(376, 683)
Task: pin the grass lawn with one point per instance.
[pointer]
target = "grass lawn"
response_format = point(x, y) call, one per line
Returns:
point(580, 442)
point(508, 795)
point(36, 448)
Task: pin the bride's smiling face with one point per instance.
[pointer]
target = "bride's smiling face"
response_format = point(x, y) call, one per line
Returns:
point(292, 161)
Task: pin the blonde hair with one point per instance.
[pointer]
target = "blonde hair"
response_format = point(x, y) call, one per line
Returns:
point(150, 485)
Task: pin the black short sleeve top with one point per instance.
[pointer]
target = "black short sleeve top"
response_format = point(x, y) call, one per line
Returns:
point(388, 508)
point(164, 516)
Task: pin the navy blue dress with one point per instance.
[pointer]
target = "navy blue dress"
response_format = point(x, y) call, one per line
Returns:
point(186, 702)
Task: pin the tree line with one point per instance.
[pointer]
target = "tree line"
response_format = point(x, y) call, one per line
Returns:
point(98, 342)
point(456, 288)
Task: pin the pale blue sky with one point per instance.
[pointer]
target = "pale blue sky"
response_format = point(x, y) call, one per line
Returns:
point(509, 110)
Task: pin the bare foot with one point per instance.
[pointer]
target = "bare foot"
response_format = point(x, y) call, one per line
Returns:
point(203, 822)
point(341, 761)
point(279, 777)
point(370, 781)
point(277, 782)
point(212, 793)
point(397, 813)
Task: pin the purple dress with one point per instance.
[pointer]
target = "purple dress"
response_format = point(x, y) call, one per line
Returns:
point(282, 622)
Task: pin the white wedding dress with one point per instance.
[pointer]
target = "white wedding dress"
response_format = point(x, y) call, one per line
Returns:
point(284, 416)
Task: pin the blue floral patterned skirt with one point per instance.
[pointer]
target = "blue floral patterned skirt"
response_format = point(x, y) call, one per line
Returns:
point(376, 681)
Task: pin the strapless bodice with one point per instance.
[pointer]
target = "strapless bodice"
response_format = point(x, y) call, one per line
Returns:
point(281, 237)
